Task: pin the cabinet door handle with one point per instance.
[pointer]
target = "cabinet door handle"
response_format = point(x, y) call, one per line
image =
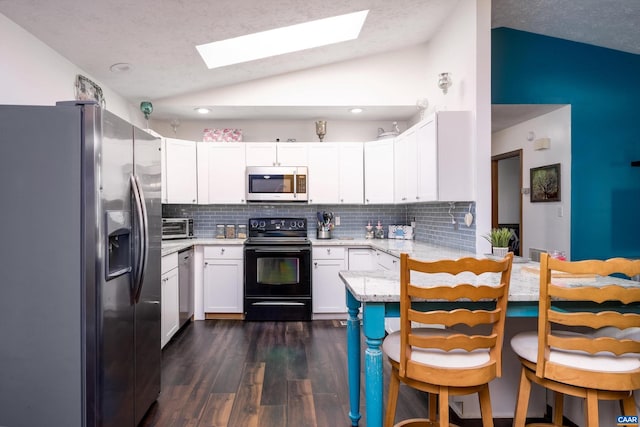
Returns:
point(206, 263)
point(315, 264)
point(328, 251)
point(395, 260)
point(222, 251)
point(341, 200)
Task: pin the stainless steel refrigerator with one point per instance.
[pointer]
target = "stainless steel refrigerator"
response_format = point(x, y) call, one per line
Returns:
point(80, 266)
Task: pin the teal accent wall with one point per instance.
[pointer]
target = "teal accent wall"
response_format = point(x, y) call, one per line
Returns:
point(603, 88)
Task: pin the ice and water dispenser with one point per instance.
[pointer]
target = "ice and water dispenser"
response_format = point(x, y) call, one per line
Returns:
point(118, 244)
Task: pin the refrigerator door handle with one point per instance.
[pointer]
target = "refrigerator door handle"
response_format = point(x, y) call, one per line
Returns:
point(138, 252)
point(145, 239)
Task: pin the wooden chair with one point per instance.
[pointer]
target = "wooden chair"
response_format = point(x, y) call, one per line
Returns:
point(448, 362)
point(595, 361)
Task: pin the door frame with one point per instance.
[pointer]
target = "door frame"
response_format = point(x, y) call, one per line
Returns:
point(494, 190)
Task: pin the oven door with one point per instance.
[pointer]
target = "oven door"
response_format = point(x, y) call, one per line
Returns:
point(277, 271)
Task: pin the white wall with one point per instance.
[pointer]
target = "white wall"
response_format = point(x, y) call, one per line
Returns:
point(31, 73)
point(393, 78)
point(542, 225)
point(462, 47)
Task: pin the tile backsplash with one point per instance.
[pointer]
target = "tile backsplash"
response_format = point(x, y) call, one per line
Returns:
point(433, 221)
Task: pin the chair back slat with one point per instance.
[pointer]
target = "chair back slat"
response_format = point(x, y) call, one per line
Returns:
point(460, 291)
point(480, 280)
point(596, 294)
point(456, 317)
point(452, 342)
point(608, 267)
point(594, 345)
point(556, 314)
point(595, 320)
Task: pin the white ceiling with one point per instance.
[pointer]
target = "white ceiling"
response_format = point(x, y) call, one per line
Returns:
point(158, 38)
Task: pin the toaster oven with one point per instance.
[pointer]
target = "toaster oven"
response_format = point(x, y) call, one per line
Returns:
point(177, 228)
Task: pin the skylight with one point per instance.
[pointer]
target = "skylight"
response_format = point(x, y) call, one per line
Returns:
point(283, 40)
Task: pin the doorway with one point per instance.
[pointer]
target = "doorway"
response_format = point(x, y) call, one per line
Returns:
point(506, 197)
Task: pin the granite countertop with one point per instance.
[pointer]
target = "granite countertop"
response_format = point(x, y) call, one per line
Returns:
point(384, 286)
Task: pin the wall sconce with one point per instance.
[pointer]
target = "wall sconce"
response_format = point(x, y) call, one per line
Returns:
point(147, 108)
point(175, 124)
point(444, 82)
point(421, 105)
point(542, 144)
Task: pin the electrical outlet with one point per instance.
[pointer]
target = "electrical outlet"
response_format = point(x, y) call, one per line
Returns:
point(337, 220)
point(560, 212)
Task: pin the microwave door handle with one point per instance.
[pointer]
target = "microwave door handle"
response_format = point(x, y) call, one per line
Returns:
point(295, 185)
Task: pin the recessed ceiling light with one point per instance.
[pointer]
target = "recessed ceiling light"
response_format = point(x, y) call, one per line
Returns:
point(356, 110)
point(202, 110)
point(282, 40)
point(120, 67)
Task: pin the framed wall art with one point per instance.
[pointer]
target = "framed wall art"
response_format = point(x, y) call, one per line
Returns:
point(545, 183)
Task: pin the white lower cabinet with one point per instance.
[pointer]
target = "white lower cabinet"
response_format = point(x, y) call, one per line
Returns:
point(223, 279)
point(170, 310)
point(361, 259)
point(328, 290)
point(385, 261)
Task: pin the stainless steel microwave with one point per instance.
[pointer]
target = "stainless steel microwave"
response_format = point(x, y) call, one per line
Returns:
point(177, 228)
point(277, 184)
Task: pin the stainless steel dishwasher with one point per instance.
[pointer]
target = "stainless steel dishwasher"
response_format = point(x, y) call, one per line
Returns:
point(185, 283)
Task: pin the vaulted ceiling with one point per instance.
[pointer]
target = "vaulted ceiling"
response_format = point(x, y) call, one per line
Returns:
point(158, 38)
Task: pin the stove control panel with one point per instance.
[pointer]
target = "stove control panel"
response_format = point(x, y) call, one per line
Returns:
point(277, 224)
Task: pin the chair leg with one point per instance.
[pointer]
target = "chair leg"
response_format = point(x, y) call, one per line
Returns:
point(558, 410)
point(628, 405)
point(392, 400)
point(443, 406)
point(485, 407)
point(433, 407)
point(522, 401)
point(591, 409)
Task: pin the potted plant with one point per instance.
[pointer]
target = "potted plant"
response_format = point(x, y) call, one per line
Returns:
point(499, 239)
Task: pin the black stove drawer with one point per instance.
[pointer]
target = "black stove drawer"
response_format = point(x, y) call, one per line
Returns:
point(257, 309)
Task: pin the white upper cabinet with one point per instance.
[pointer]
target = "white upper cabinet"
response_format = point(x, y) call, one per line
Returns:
point(426, 155)
point(378, 171)
point(324, 173)
point(446, 171)
point(163, 168)
point(336, 173)
point(276, 153)
point(351, 173)
point(181, 171)
point(221, 173)
point(405, 167)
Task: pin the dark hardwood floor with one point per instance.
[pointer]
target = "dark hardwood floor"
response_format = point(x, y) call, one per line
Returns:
point(219, 373)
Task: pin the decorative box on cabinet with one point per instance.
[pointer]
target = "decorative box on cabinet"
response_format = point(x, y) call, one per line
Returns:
point(329, 301)
point(223, 280)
